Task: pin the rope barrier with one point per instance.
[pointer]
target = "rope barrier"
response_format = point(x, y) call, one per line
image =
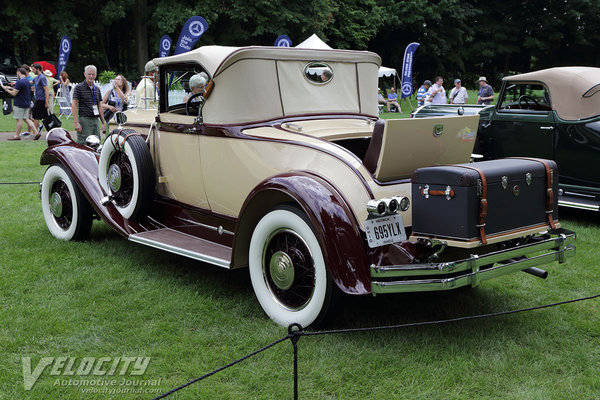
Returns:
point(231, 364)
point(295, 331)
point(19, 183)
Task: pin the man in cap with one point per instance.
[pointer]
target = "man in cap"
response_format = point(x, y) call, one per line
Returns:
point(458, 94)
point(422, 92)
point(146, 91)
point(486, 93)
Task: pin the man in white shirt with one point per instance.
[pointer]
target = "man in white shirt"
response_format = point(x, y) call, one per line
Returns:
point(437, 93)
point(458, 94)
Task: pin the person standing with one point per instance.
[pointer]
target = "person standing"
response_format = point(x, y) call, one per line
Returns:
point(41, 95)
point(86, 106)
point(486, 93)
point(65, 89)
point(437, 93)
point(422, 92)
point(458, 94)
point(22, 93)
point(51, 83)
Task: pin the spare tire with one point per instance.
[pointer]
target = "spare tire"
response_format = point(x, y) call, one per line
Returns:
point(126, 173)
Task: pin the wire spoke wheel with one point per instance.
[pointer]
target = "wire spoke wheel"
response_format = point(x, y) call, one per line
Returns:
point(289, 269)
point(67, 212)
point(121, 179)
point(126, 173)
point(61, 204)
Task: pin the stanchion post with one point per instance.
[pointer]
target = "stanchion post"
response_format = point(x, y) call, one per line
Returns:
point(294, 332)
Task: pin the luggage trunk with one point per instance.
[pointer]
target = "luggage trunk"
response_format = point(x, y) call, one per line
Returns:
point(472, 202)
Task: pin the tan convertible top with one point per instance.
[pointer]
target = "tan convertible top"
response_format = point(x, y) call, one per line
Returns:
point(573, 90)
point(215, 59)
point(264, 83)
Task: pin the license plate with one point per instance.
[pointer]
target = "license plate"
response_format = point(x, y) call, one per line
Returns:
point(385, 230)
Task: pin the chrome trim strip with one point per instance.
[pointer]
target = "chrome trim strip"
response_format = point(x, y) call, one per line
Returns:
point(214, 228)
point(178, 250)
point(580, 206)
point(156, 222)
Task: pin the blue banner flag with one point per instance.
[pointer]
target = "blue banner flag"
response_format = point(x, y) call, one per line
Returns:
point(190, 33)
point(165, 45)
point(63, 53)
point(283, 41)
point(407, 86)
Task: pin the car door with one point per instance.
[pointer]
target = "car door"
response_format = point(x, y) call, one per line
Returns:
point(578, 153)
point(176, 142)
point(522, 124)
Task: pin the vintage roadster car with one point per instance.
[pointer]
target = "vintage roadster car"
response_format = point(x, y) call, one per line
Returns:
point(282, 165)
point(552, 113)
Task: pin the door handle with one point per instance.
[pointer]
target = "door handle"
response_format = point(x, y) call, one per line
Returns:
point(547, 128)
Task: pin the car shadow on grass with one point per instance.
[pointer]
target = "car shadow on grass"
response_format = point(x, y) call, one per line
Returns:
point(350, 312)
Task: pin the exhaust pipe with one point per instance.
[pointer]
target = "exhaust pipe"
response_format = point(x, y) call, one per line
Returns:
point(540, 273)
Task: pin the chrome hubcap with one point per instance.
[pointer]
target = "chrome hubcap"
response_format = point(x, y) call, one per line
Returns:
point(282, 270)
point(114, 177)
point(56, 206)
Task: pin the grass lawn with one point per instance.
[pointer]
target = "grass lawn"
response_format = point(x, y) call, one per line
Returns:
point(107, 297)
point(7, 122)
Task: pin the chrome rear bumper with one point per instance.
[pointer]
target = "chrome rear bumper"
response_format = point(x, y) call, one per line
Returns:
point(452, 275)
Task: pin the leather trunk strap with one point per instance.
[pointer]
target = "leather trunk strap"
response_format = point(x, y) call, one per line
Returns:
point(549, 191)
point(450, 193)
point(483, 204)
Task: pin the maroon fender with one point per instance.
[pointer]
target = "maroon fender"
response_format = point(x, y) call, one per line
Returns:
point(82, 163)
point(332, 219)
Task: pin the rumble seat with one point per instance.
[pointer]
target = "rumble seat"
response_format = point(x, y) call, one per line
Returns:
point(399, 146)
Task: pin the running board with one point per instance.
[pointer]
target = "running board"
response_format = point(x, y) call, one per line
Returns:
point(582, 203)
point(185, 245)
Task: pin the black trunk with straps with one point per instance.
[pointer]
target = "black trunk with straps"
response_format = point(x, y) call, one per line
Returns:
point(478, 200)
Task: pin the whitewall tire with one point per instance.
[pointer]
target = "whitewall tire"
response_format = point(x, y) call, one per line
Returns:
point(67, 212)
point(287, 269)
point(126, 173)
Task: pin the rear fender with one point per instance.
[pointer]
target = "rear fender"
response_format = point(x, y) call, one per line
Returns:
point(332, 220)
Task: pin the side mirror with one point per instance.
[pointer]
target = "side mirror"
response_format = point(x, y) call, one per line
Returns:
point(121, 118)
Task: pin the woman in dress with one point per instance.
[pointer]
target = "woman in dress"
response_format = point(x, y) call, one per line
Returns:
point(65, 89)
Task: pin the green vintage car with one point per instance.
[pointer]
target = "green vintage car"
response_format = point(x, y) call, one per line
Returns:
point(553, 114)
